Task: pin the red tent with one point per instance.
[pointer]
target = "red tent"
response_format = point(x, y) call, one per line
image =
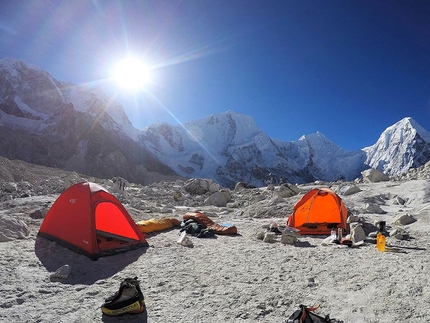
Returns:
point(87, 219)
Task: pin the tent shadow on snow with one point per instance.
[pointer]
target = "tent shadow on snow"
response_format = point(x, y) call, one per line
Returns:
point(304, 244)
point(83, 270)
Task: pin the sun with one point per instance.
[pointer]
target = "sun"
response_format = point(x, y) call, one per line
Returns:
point(131, 74)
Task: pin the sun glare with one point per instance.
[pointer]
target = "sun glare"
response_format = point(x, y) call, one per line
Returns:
point(131, 74)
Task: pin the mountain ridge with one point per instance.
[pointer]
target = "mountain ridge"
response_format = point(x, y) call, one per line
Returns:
point(74, 127)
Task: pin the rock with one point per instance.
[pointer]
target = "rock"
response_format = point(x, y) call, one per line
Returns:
point(286, 190)
point(373, 208)
point(399, 234)
point(288, 239)
point(176, 195)
point(260, 235)
point(404, 219)
point(11, 228)
point(400, 201)
point(242, 185)
point(269, 237)
point(275, 200)
point(349, 190)
point(270, 187)
point(226, 194)
point(36, 214)
point(374, 175)
point(353, 218)
point(369, 228)
point(61, 273)
point(199, 186)
point(373, 234)
point(9, 187)
point(217, 199)
point(119, 184)
point(259, 197)
point(213, 187)
point(67, 183)
point(357, 232)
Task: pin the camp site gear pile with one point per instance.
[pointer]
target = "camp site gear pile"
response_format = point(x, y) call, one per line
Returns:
point(208, 223)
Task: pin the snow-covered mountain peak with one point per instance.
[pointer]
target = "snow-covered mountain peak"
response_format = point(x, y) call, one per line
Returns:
point(402, 131)
point(22, 75)
point(320, 143)
point(400, 147)
point(314, 137)
point(212, 135)
point(409, 123)
point(223, 129)
point(13, 65)
point(30, 93)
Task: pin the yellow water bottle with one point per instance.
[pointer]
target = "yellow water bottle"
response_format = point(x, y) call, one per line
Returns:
point(380, 238)
point(380, 242)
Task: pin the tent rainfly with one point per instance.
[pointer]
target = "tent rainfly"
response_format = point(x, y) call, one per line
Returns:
point(318, 211)
point(89, 220)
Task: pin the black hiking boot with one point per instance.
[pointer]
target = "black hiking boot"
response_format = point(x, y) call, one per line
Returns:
point(127, 300)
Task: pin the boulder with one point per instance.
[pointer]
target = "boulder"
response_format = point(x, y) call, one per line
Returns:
point(36, 214)
point(217, 199)
point(372, 208)
point(374, 175)
point(353, 218)
point(357, 232)
point(400, 201)
point(199, 186)
point(399, 234)
point(226, 194)
point(275, 200)
point(61, 273)
point(404, 219)
point(269, 237)
point(260, 235)
point(242, 185)
point(286, 190)
point(11, 228)
point(9, 187)
point(349, 190)
point(176, 195)
point(289, 238)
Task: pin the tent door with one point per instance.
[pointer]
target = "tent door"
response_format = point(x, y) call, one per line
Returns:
point(109, 235)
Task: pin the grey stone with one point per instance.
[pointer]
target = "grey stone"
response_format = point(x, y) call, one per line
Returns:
point(404, 219)
point(374, 175)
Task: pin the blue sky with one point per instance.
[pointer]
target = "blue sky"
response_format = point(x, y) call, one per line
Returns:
point(348, 69)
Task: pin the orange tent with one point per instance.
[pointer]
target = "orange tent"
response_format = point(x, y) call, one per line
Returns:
point(318, 211)
point(87, 219)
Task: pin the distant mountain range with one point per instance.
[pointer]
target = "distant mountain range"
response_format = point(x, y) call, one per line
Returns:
point(58, 124)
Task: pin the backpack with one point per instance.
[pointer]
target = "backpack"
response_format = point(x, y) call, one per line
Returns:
point(306, 315)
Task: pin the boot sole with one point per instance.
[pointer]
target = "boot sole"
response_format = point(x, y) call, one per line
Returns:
point(135, 308)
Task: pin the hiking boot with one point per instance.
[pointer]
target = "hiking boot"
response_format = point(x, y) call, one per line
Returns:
point(127, 300)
